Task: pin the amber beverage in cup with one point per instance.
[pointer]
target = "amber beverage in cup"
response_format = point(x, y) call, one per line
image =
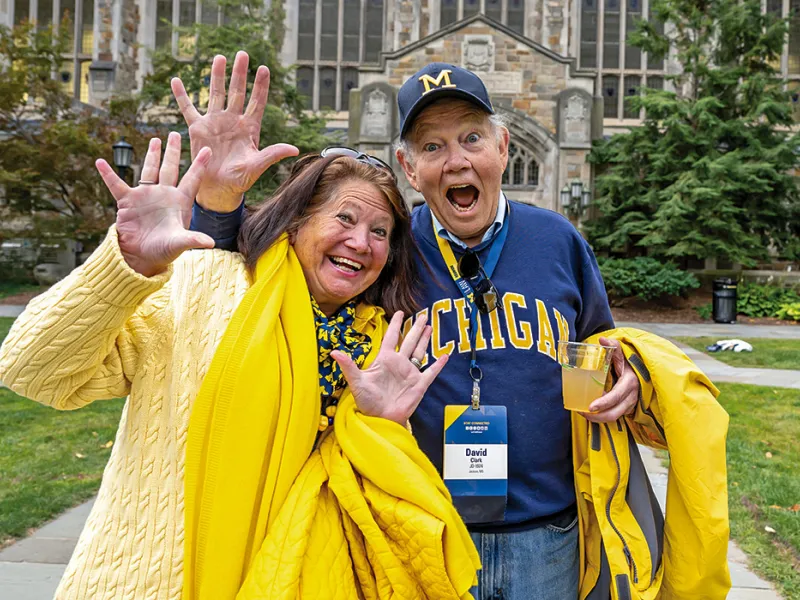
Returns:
point(584, 370)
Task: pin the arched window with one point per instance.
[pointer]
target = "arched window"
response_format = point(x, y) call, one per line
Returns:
point(522, 170)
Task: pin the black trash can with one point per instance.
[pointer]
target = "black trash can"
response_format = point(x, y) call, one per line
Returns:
point(723, 305)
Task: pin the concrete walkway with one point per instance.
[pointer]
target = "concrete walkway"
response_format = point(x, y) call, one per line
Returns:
point(718, 370)
point(31, 568)
point(789, 332)
point(11, 310)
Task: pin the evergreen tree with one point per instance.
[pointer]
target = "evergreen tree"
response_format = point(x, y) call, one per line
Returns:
point(257, 29)
point(710, 171)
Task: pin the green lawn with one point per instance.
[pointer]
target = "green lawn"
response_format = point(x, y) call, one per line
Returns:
point(49, 460)
point(766, 354)
point(765, 491)
point(12, 289)
point(5, 325)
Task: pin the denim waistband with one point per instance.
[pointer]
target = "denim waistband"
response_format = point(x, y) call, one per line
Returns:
point(561, 519)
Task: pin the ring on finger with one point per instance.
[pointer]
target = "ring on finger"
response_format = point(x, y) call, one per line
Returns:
point(143, 182)
point(416, 362)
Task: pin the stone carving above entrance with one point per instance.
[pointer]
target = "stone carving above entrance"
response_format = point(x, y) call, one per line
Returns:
point(376, 117)
point(373, 114)
point(577, 110)
point(477, 53)
point(575, 119)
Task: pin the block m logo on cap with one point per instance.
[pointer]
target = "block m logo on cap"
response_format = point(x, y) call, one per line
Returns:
point(431, 84)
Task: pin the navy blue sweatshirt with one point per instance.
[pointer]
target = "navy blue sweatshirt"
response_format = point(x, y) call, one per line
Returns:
point(551, 288)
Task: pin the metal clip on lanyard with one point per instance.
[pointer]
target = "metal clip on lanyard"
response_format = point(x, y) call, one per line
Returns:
point(475, 372)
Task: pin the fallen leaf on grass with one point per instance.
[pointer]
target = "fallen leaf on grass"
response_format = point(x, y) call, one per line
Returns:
point(795, 508)
point(95, 434)
point(108, 444)
point(768, 529)
point(79, 455)
point(776, 507)
point(768, 455)
point(735, 483)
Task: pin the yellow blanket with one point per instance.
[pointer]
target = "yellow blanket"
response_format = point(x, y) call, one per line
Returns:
point(258, 508)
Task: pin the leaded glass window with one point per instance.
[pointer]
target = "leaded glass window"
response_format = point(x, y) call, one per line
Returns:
point(522, 169)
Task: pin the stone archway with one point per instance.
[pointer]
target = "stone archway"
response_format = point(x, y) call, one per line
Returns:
point(531, 138)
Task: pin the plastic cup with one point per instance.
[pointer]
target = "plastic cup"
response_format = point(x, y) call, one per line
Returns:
point(584, 370)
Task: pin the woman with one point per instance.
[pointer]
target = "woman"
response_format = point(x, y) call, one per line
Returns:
point(233, 365)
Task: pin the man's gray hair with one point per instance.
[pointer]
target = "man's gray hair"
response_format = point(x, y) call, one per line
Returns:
point(403, 145)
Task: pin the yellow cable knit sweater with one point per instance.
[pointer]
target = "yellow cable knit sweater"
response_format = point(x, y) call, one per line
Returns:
point(105, 332)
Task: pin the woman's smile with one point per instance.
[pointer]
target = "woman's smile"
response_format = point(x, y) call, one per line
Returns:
point(346, 265)
point(345, 245)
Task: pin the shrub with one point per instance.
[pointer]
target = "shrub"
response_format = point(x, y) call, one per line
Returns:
point(705, 311)
point(645, 278)
point(16, 272)
point(789, 312)
point(757, 300)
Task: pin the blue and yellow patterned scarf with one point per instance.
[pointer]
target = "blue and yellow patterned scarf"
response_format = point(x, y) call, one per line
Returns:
point(337, 333)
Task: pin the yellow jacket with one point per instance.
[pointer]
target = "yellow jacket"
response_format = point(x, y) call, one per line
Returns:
point(628, 550)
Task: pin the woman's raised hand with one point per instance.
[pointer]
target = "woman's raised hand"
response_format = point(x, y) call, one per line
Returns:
point(232, 135)
point(153, 218)
point(392, 387)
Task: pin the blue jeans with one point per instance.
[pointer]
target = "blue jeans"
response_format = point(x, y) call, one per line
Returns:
point(538, 564)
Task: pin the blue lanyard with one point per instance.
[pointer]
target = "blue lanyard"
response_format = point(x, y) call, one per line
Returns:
point(466, 290)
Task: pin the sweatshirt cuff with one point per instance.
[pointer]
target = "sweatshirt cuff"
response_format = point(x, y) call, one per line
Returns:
point(223, 227)
point(110, 277)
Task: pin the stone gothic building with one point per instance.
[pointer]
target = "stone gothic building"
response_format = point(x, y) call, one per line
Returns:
point(557, 70)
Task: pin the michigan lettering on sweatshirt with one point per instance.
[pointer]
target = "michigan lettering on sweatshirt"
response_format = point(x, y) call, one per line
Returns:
point(518, 323)
point(549, 289)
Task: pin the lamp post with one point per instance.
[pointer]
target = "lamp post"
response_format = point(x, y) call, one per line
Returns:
point(123, 155)
point(575, 198)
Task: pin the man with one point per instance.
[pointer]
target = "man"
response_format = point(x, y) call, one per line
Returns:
point(454, 150)
point(546, 285)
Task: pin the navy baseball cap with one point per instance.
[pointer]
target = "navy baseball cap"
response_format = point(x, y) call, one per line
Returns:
point(434, 82)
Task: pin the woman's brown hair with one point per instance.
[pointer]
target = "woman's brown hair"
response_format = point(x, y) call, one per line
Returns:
point(313, 182)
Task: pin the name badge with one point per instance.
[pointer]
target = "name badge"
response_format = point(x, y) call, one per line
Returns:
point(476, 461)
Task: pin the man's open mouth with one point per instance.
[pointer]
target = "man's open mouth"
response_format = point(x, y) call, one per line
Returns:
point(345, 264)
point(463, 197)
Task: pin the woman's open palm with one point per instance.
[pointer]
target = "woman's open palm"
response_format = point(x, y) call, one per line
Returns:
point(153, 217)
point(392, 387)
point(231, 132)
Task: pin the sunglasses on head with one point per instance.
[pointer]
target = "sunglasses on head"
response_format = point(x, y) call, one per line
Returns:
point(359, 156)
point(470, 268)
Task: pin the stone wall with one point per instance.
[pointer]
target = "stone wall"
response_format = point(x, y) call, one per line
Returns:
point(525, 82)
point(5, 12)
point(105, 29)
point(115, 62)
point(519, 78)
point(406, 22)
point(128, 57)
